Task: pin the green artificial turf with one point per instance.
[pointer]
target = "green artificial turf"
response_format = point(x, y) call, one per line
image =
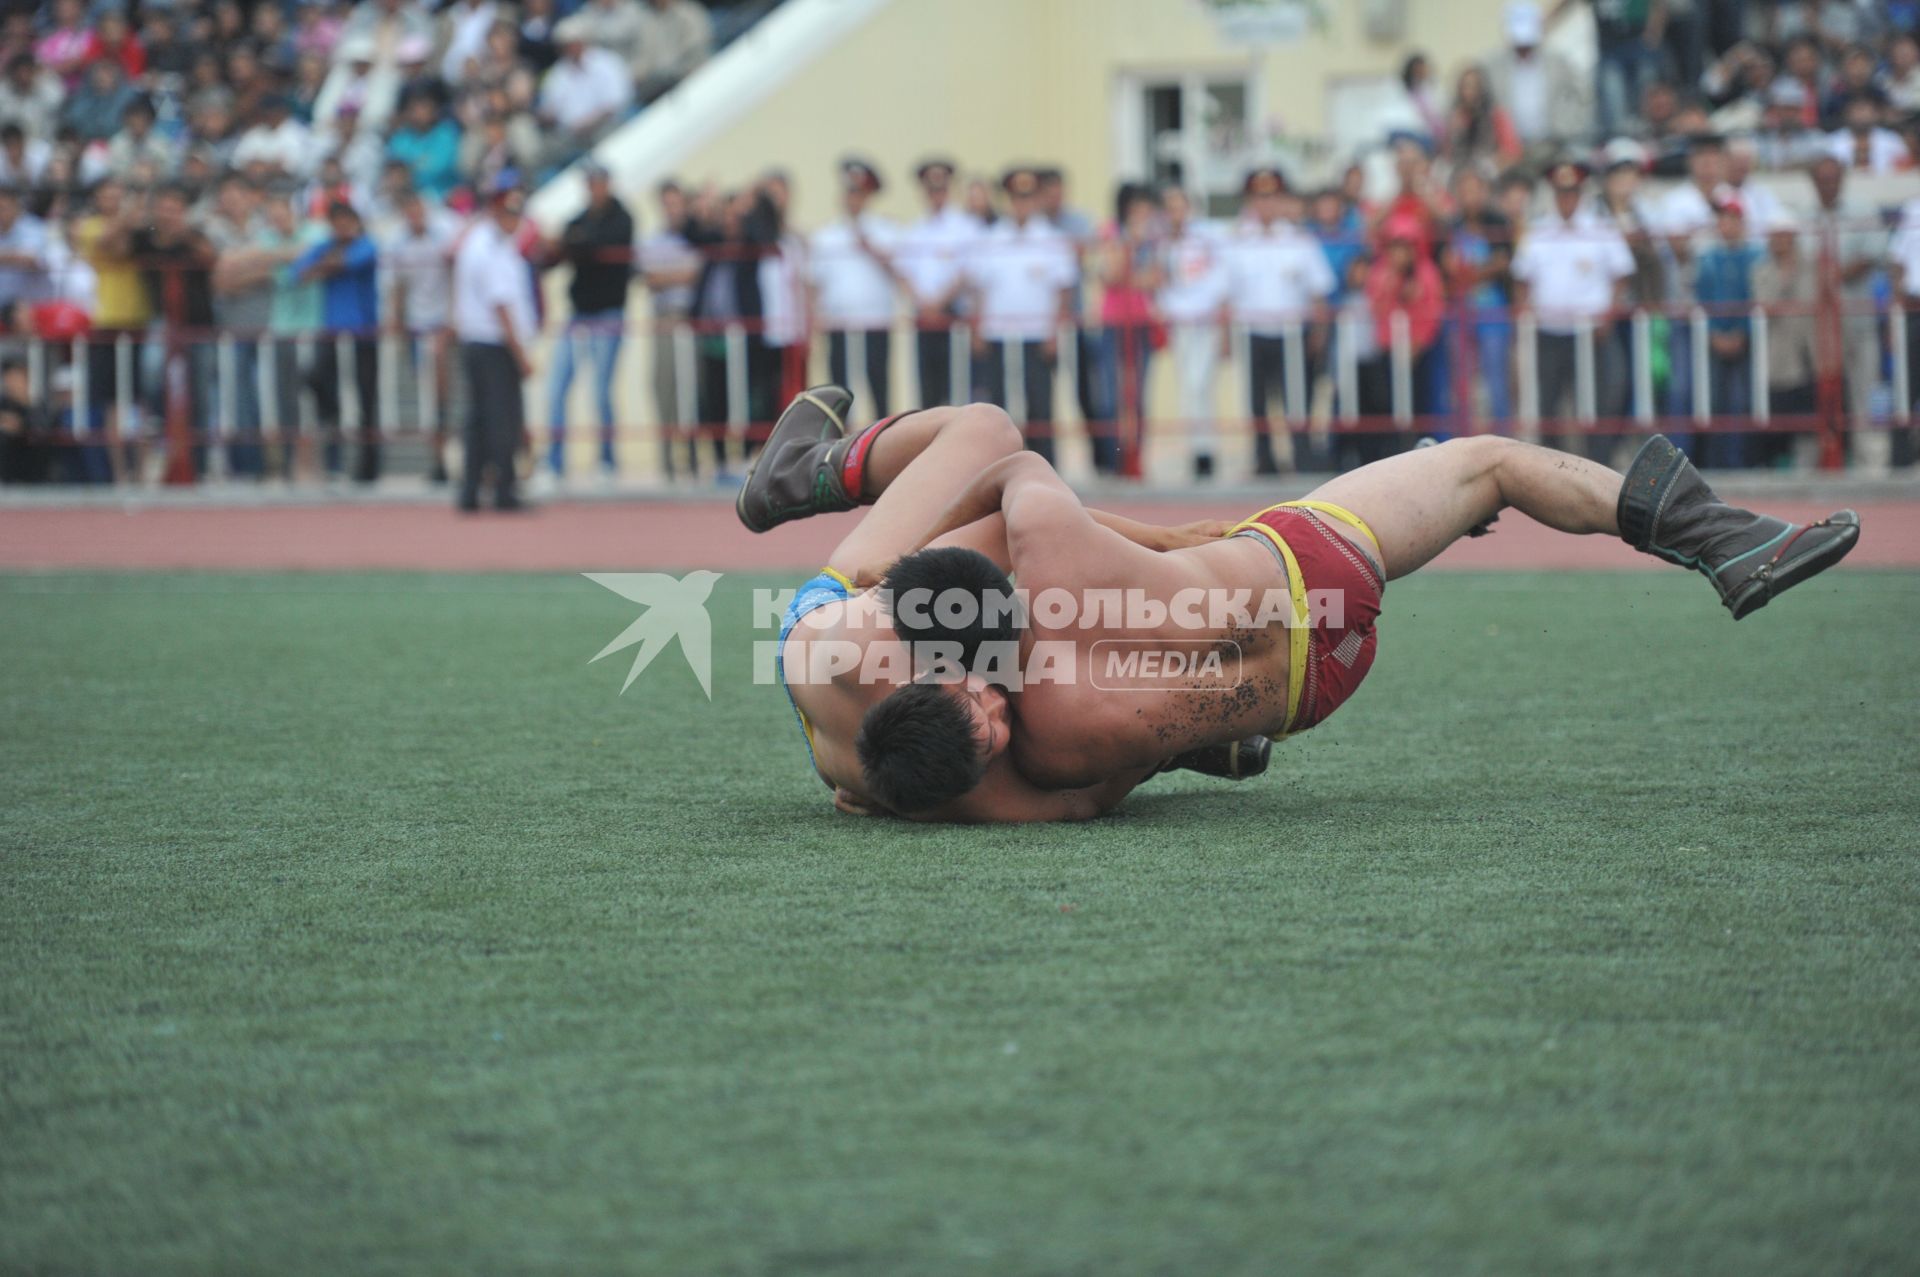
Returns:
point(356, 925)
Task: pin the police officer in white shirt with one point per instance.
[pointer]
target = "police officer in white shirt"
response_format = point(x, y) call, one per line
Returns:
point(1022, 273)
point(1571, 271)
point(1277, 282)
point(1194, 267)
point(851, 270)
point(932, 253)
point(495, 319)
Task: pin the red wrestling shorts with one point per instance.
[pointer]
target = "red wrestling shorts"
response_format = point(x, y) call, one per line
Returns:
point(1334, 585)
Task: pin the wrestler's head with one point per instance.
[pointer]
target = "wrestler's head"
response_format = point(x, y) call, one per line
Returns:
point(955, 598)
point(930, 742)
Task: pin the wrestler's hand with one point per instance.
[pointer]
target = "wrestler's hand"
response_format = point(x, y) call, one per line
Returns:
point(871, 575)
point(1199, 532)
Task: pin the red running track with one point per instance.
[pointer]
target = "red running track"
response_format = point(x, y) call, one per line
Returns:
point(663, 535)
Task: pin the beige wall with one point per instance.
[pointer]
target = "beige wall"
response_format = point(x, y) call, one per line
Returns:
point(994, 82)
point(997, 81)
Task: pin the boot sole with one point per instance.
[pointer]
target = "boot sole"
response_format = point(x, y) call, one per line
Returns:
point(788, 424)
point(1756, 594)
point(1251, 756)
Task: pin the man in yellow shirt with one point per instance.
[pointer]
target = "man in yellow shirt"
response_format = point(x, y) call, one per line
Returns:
point(121, 309)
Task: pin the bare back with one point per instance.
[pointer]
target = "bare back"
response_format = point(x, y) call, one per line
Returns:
point(1207, 668)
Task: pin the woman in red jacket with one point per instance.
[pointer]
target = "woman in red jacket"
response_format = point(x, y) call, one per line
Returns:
point(1403, 281)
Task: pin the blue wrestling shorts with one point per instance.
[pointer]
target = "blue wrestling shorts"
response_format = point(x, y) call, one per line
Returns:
point(828, 587)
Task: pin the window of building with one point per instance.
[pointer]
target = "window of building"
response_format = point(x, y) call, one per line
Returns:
point(1196, 129)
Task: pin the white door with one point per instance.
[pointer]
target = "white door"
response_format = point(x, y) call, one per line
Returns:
point(1196, 129)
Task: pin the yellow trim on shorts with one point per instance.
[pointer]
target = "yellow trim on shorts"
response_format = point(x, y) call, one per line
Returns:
point(1328, 508)
point(1299, 640)
point(846, 582)
point(1345, 516)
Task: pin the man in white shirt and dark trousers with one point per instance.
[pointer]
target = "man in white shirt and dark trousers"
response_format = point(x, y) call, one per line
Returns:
point(1022, 273)
point(932, 254)
point(494, 318)
point(851, 269)
point(1571, 271)
point(420, 261)
point(1277, 283)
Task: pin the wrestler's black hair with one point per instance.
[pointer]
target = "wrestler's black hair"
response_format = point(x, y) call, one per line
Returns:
point(918, 748)
point(916, 583)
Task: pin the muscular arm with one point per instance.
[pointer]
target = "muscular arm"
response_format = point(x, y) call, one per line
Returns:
point(1156, 536)
point(985, 496)
point(1051, 537)
point(989, 536)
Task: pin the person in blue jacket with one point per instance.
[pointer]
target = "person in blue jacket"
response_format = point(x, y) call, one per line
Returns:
point(1723, 284)
point(346, 266)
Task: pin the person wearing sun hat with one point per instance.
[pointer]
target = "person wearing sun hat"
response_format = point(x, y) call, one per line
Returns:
point(1545, 95)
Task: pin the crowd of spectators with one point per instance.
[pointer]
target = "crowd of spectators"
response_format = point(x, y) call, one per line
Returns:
point(325, 94)
point(1793, 79)
point(201, 192)
point(1531, 188)
point(1702, 93)
point(250, 164)
point(1405, 314)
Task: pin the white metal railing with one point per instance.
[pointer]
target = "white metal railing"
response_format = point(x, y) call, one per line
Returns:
point(410, 383)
